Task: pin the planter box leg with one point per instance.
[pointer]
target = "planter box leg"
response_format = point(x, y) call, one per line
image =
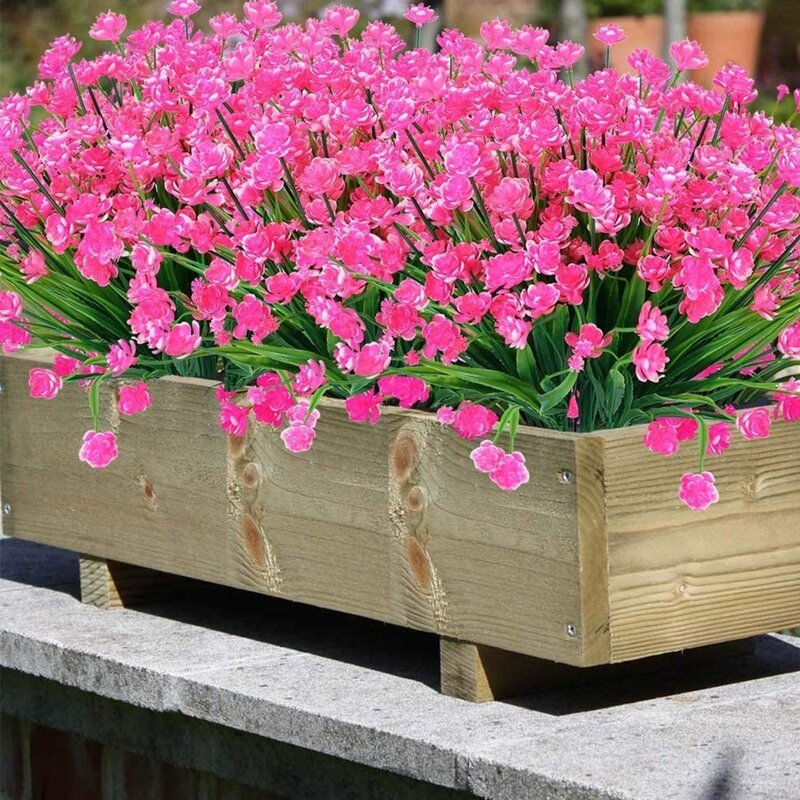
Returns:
point(112, 584)
point(479, 673)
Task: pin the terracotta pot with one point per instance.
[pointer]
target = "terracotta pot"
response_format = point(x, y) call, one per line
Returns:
point(646, 31)
point(726, 36)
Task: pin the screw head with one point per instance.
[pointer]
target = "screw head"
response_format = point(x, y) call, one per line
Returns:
point(566, 476)
point(6, 509)
point(572, 629)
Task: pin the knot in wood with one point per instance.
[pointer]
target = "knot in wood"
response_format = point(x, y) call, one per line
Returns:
point(416, 500)
point(418, 562)
point(254, 542)
point(251, 475)
point(403, 457)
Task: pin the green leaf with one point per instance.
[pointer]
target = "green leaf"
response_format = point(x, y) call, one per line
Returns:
point(552, 398)
point(614, 391)
point(526, 364)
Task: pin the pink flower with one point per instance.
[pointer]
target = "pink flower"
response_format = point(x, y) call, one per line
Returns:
point(310, 376)
point(589, 342)
point(511, 472)
point(10, 307)
point(445, 415)
point(789, 340)
point(408, 390)
point(540, 299)
point(719, 438)
point(183, 8)
point(64, 366)
point(512, 196)
point(420, 15)
point(661, 437)
point(688, 54)
point(610, 34)
point(108, 27)
point(652, 325)
point(754, 423)
point(650, 360)
point(364, 407)
point(98, 449)
point(44, 383)
point(298, 437)
point(573, 411)
point(233, 418)
point(33, 266)
point(320, 177)
point(182, 340)
point(487, 457)
point(121, 357)
point(698, 490)
point(472, 420)
point(134, 399)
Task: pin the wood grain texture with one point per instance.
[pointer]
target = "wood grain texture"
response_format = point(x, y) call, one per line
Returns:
point(679, 578)
point(388, 521)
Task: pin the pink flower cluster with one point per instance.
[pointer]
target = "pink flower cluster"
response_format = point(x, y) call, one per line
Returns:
point(306, 211)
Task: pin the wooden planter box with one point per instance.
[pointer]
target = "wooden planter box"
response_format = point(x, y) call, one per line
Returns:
point(595, 561)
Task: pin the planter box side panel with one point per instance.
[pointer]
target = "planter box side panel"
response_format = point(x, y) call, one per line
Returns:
point(503, 568)
point(680, 578)
point(162, 504)
point(388, 521)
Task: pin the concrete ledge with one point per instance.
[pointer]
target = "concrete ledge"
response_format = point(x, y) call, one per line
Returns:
point(365, 693)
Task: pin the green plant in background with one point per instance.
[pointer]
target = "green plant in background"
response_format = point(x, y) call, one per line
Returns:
point(622, 8)
point(725, 5)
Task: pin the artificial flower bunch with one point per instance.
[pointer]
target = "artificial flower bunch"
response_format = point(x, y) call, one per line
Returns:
point(299, 211)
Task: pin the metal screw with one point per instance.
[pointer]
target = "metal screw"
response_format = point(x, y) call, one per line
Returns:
point(566, 476)
point(571, 629)
point(6, 509)
point(2, 388)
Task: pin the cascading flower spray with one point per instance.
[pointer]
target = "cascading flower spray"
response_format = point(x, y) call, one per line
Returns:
point(296, 211)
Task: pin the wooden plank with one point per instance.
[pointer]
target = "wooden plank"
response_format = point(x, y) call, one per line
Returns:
point(478, 564)
point(593, 626)
point(113, 585)
point(679, 578)
point(388, 521)
point(480, 674)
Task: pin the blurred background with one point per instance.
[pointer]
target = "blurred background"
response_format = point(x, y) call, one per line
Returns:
point(762, 35)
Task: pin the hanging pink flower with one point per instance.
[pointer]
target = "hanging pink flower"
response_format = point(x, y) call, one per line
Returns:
point(298, 437)
point(719, 438)
point(44, 384)
point(364, 407)
point(487, 457)
point(698, 490)
point(472, 420)
point(134, 399)
point(233, 418)
point(511, 472)
point(98, 449)
point(662, 438)
point(754, 423)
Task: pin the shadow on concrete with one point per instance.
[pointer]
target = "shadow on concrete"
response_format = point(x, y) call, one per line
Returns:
point(35, 564)
point(390, 649)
